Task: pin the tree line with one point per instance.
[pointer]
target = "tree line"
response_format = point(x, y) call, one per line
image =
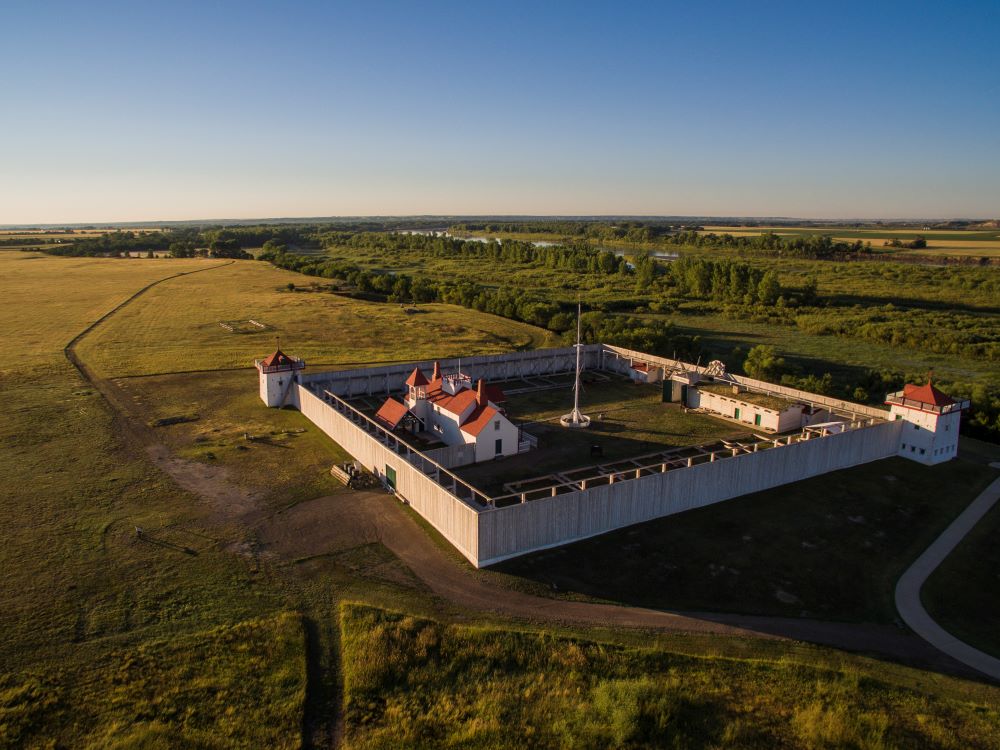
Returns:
point(599, 325)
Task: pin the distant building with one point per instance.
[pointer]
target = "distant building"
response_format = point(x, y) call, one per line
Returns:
point(932, 435)
point(449, 408)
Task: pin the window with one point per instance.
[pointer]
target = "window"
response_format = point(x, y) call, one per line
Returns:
point(496, 424)
point(915, 427)
point(947, 427)
point(904, 446)
point(922, 451)
point(756, 419)
point(913, 449)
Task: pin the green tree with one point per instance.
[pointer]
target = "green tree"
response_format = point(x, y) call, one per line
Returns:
point(763, 363)
point(768, 290)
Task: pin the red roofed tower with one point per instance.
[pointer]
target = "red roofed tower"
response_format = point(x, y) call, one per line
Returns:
point(277, 373)
point(933, 417)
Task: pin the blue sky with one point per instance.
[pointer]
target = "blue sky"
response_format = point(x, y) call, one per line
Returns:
point(144, 111)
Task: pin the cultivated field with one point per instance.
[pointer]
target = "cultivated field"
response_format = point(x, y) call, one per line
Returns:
point(979, 243)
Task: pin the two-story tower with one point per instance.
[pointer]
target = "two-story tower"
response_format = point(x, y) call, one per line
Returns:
point(277, 373)
point(931, 436)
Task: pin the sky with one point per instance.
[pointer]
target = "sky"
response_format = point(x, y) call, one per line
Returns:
point(139, 111)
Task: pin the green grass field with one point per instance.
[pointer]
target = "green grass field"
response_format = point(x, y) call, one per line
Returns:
point(195, 634)
point(954, 594)
point(830, 547)
point(175, 328)
point(412, 682)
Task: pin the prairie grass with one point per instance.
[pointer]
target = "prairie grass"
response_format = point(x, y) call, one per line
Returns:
point(415, 682)
point(232, 686)
point(175, 327)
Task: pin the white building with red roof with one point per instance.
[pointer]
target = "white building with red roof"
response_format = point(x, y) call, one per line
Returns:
point(931, 437)
point(277, 373)
point(450, 409)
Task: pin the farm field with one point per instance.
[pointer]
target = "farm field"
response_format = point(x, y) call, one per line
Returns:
point(980, 243)
point(219, 625)
point(476, 684)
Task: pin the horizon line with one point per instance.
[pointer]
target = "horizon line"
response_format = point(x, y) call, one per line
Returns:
point(507, 217)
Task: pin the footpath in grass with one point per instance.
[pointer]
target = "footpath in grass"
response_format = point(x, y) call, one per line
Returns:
point(413, 682)
point(962, 593)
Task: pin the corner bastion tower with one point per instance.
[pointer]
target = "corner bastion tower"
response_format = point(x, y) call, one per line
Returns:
point(932, 435)
point(277, 373)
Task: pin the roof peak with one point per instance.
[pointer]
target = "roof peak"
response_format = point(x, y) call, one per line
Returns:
point(417, 378)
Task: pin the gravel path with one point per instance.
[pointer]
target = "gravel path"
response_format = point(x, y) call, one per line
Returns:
point(908, 589)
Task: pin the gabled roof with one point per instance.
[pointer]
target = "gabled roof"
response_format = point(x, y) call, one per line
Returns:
point(455, 404)
point(277, 359)
point(417, 378)
point(927, 394)
point(478, 420)
point(391, 413)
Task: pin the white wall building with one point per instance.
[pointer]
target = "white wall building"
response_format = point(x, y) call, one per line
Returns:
point(448, 407)
point(277, 373)
point(767, 413)
point(932, 435)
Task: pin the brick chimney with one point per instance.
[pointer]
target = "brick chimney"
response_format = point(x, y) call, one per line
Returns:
point(436, 375)
point(481, 393)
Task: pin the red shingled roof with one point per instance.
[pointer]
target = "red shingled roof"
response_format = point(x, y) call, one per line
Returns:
point(927, 394)
point(478, 420)
point(416, 378)
point(277, 359)
point(391, 413)
point(455, 404)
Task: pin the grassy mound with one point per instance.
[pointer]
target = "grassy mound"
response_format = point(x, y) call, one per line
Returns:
point(412, 682)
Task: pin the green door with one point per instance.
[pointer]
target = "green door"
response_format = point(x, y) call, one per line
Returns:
point(390, 476)
point(756, 419)
point(736, 413)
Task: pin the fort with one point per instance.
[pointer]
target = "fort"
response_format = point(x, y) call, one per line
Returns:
point(762, 435)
